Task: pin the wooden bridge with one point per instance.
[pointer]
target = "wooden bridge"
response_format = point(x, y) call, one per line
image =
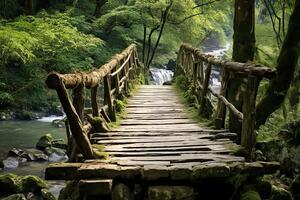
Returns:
point(157, 142)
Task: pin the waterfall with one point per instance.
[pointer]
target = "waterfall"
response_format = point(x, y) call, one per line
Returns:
point(160, 76)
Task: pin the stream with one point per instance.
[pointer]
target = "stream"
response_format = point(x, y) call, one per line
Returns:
point(24, 135)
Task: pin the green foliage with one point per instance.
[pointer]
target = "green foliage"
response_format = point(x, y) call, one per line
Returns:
point(120, 106)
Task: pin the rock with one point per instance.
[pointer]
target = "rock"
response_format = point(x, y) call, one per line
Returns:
point(44, 142)
point(250, 195)
point(259, 156)
point(171, 65)
point(70, 192)
point(280, 194)
point(47, 195)
point(295, 188)
point(264, 188)
point(41, 157)
point(59, 123)
point(121, 192)
point(32, 184)
point(59, 144)
point(12, 162)
point(26, 115)
point(171, 193)
point(15, 197)
point(9, 184)
point(55, 157)
point(15, 152)
point(214, 170)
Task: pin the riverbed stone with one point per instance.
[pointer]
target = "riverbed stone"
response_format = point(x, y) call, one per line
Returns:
point(32, 184)
point(122, 192)
point(9, 184)
point(15, 197)
point(11, 162)
point(15, 152)
point(47, 195)
point(44, 142)
point(171, 193)
point(59, 143)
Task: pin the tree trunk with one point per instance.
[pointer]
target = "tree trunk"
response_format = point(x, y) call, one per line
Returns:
point(243, 51)
point(99, 5)
point(286, 65)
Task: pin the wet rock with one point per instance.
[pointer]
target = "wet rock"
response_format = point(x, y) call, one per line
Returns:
point(32, 184)
point(280, 194)
point(15, 152)
point(121, 192)
point(171, 65)
point(13, 162)
point(15, 197)
point(59, 144)
point(171, 193)
point(41, 157)
point(58, 123)
point(9, 184)
point(47, 195)
point(44, 142)
point(70, 192)
point(295, 188)
point(31, 196)
point(57, 157)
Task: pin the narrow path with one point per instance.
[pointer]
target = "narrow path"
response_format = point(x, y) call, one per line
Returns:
point(157, 131)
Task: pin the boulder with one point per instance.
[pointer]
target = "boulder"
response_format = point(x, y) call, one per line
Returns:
point(264, 188)
point(9, 184)
point(171, 65)
point(15, 152)
point(59, 123)
point(171, 193)
point(44, 142)
point(32, 184)
point(280, 194)
point(121, 192)
point(13, 162)
point(15, 197)
point(60, 143)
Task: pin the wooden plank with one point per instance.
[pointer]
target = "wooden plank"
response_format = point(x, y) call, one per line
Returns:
point(158, 121)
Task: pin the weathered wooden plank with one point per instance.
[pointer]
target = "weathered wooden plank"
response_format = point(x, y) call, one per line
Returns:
point(158, 121)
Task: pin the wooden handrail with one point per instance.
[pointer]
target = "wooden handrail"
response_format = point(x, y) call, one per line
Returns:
point(116, 83)
point(191, 62)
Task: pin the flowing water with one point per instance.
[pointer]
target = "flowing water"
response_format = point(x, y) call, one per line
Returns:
point(24, 135)
point(160, 76)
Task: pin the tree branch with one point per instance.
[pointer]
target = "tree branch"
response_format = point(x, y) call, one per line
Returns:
point(205, 4)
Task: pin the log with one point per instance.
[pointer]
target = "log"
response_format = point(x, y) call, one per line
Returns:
point(95, 107)
point(90, 79)
point(236, 67)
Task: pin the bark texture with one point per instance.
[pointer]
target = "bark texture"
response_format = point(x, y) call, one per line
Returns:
point(286, 66)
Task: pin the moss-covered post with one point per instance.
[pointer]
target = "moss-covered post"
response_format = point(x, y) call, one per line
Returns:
point(221, 109)
point(108, 98)
point(203, 106)
point(248, 137)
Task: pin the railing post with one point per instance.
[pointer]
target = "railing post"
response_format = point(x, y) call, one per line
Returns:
point(108, 97)
point(95, 107)
point(221, 109)
point(78, 100)
point(248, 137)
point(203, 106)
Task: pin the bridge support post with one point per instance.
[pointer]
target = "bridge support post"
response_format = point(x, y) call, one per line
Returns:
point(203, 106)
point(248, 137)
point(108, 98)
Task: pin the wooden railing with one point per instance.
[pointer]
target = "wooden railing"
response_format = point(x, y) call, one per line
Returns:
point(191, 62)
point(115, 75)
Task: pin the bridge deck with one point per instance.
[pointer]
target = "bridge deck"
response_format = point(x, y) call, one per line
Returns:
point(158, 140)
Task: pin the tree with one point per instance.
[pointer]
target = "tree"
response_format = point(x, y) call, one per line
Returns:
point(286, 66)
point(243, 51)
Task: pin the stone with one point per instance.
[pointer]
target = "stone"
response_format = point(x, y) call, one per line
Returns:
point(171, 65)
point(250, 195)
point(214, 170)
point(264, 188)
point(70, 192)
point(180, 173)
point(15, 152)
point(44, 142)
point(155, 172)
point(295, 188)
point(9, 184)
point(122, 192)
point(95, 187)
point(15, 197)
point(41, 157)
point(60, 143)
point(280, 194)
point(11, 163)
point(59, 123)
point(47, 195)
point(32, 184)
point(57, 155)
point(171, 193)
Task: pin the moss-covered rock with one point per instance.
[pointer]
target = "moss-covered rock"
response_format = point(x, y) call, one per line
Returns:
point(47, 195)
point(15, 197)
point(9, 184)
point(295, 188)
point(264, 188)
point(32, 184)
point(250, 195)
point(44, 142)
point(70, 192)
point(121, 192)
point(280, 194)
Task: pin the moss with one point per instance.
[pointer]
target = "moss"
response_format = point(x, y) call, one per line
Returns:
point(45, 141)
point(9, 184)
point(120, 106)
point(32, 184)
point(250, 195)
point(70, 192)
point(99, 151)
point(280, 194)
point(47, 195)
